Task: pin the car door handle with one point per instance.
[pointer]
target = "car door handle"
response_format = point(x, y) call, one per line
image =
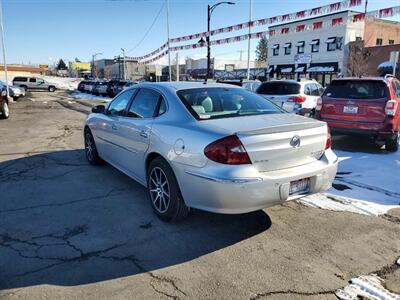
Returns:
point(143, 134)
point(114, 127)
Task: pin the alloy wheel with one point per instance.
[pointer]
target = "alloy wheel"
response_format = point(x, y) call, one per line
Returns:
point(159, 190)
point(89, 146)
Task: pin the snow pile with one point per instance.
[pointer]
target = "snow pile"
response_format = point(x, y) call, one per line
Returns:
point(85, 96)
point(63, 83)
point(365, 183)
point(368, 286)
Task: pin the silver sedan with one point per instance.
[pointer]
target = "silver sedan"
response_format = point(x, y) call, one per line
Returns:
point(213, 147)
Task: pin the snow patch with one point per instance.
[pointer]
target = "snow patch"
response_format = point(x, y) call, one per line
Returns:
point(368, 184)
point(369, 286)
point(84, 96)
point(63, 83)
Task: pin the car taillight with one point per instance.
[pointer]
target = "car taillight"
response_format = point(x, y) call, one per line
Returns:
point(391, 107)
point(228, 150)
point(328, 139)
point(297, 99)
point(319, 104)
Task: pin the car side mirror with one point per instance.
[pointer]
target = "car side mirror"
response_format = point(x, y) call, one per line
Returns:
point(98, 109)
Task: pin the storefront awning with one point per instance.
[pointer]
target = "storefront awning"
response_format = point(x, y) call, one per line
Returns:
point(286, 70)
point(299, 44)
point(314, 42)
point(287, 45)
point(386, 65)
point(276, 46)
point(299, 69)
point(330, 40)
point(320, 69)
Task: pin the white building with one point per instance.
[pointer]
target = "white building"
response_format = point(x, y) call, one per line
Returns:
point(313, 48)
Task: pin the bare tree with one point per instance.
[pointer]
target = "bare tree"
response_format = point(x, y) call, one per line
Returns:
point(358, 59)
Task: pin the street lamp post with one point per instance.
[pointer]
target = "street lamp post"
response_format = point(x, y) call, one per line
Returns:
point(123, 67)
point(93, 58)
point(210, 10)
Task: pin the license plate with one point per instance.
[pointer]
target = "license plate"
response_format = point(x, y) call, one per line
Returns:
point(350, 109)
point(299, 186)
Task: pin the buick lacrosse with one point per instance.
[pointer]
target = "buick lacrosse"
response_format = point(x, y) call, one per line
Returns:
point(214, 147)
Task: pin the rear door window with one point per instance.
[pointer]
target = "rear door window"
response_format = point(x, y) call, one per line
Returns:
point(32, 79)
point(279, 88)
point(144, 104)
point(357, 89)
point(21, 79)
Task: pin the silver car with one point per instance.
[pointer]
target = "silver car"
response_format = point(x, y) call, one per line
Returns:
point(214, 147)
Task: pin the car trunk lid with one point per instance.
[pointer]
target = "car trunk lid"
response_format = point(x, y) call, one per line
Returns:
point(278, 141)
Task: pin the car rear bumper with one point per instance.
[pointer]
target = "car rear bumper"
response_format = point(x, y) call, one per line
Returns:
point(377, 131)
point(234, 195)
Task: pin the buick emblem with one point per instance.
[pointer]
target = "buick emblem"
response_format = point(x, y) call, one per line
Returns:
point(295, 141)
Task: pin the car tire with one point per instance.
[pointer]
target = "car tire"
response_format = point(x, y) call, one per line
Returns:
point(91, 153)
point(4, 110)
point(52, 89)
point(164, 193)
point(392, 145)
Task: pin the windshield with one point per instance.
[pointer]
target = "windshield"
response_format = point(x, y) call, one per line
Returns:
point(214, 103)
point(357, 89)
point(279, 88)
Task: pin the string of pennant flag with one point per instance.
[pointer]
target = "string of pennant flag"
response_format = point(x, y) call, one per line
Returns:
point(321, 10)
point(381, 13)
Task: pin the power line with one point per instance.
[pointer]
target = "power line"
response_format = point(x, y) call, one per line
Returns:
point(148, 30)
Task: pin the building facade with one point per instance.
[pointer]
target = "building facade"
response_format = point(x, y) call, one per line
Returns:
point(313, 48)
point(380, 32)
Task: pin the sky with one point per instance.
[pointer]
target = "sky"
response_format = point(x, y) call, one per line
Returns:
point(43, 31)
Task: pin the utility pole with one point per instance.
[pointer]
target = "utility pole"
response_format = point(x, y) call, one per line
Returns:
point(93, 57)
point(177, 66)
point(248, 40)
point(4, 47)
point(123, 66)
point(169, 50)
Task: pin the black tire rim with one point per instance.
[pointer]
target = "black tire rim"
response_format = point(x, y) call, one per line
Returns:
point(89, 146)
point(159, 190)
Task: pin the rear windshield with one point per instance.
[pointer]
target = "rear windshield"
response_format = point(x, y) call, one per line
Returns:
point(356, 89)
point(279, 88)
point(215, 103)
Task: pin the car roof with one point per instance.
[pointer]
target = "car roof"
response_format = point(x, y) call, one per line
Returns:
point(182, 85)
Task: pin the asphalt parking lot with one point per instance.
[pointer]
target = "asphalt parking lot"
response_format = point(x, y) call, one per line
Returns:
point(69, 230)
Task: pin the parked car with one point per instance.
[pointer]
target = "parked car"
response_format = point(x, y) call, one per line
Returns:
point(13, 91)
point(4, 109)
point(121, 85)
point(110, 87)
point(211, 147)
point(246, 84)
point(100, 88)
point(297, 97)
point(81, 85)
point(363, 106)
point(88, 86)
point(33, 83)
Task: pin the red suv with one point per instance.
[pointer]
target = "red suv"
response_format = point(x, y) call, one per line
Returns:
point(363, 106)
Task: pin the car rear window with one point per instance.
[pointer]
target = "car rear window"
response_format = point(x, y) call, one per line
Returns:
point(357, 89)
point(219, 102)
point(279, 88)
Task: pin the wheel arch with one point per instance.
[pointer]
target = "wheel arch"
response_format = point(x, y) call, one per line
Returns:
point(152, 156)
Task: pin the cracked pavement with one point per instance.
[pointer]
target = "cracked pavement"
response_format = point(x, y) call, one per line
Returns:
point(69, 230)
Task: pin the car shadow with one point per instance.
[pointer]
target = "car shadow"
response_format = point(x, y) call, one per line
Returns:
point(65, 222)
point(356, 144)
